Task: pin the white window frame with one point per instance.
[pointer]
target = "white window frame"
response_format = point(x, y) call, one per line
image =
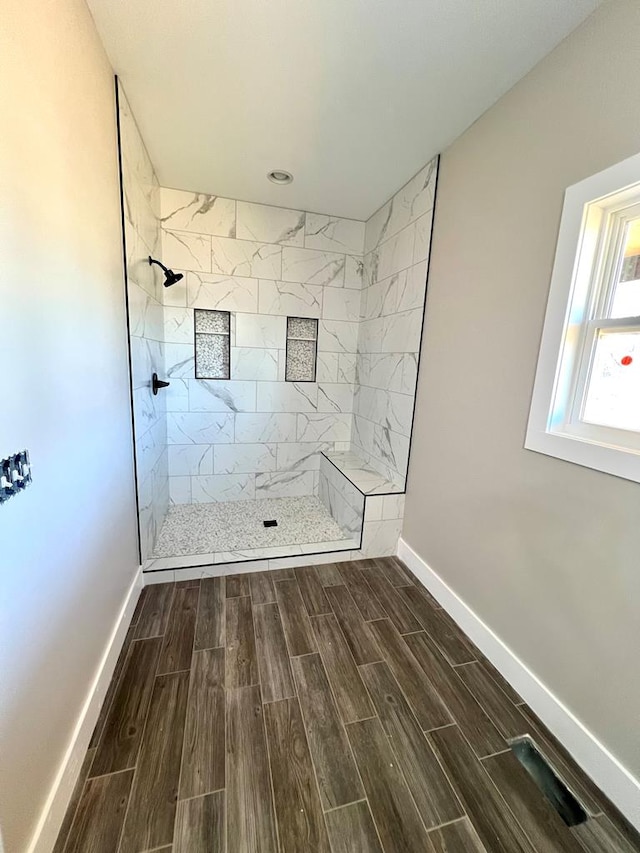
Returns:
point(592, 226)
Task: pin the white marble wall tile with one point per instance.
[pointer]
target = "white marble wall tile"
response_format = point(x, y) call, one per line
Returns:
point(337, 336)
point(382, 370)
point(146, 358)
point(223, 487)
point(302, 456)
point(393, 507)
point(312, 267)
point(200, 428)
point(402, 332)
point(287, 397)
point(354, 272)
point(413, 200)
point(285, 484)
point(382, 298)
point(178, 325)
point(260, 330)
point(422, 241)
point(335, 397)
point(139, 270)
point(390, 448)
point(270, 224)
point(414, 291)
point(179, 361)
point(198, 212)
point(219, 395)
point(245, 258)
point(362, 435)
point(222, 292)
point(290, 299)
point(347, 367)
point(180, 490)
point(380, 538)
point(323, 427)
point(176, 295)
point(399, 412)
point(373, 508)
point(176, 396)
point(184, 251)
point(393, 255)
point(330, 233)
point(265, 427)
point(244, 458)
point(409, 373)
point(327, 367)
point(145, 313)
point(341, 304)
point(253, 363)
point(190, 459)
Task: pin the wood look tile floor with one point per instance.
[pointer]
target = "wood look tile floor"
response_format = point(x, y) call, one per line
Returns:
point(326, 709)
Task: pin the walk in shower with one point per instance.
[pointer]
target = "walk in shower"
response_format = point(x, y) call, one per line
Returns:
point(290, 346)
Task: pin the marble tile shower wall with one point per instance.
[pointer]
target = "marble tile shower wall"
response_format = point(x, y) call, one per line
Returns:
point(144, 287)
point(397, 239)
point(255, 435)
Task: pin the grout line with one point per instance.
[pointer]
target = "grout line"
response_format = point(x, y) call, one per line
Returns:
point(462, 819)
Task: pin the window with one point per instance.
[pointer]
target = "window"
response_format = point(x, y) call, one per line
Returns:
point(302, 346)
point(212, 344)
point(586, 399)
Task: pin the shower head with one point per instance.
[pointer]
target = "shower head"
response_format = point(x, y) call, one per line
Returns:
point(170, 277)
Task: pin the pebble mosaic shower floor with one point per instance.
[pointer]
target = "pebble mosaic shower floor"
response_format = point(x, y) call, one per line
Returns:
point(238, 525)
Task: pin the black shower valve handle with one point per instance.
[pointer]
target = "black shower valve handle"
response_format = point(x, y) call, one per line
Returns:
point(157, 384)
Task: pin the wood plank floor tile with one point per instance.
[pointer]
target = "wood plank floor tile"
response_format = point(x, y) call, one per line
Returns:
point(394, 571)
point(491, 818)
point(177, 646)
point(203, 755)
point(476, 726)
point(100, 814)
point(351, 830)
point(111, 689)
point(349, 692)
point(399, 613)
point(261, 587)
point(357, 632)
point(273, 658)
point(394, 812)
point(200, 825)
point(152, 805)
point(458, 837)
point(499, 679)
point(542, 824)
point(439, 625)
point(328, 574)
point(312, 591)
point(421, 695)
point(242, 661)
point(361, 592)
point(506, 716)
point(298, 808)
point(622, 825)
point(433, 795)
point(336, 772)
point(237, 585)
point(581, 785)
point(282, 575)
point(192, 582)
point(599, 835)
point(250, 814)
point(73, 802)
point(139, 605)
point(210, 620)
point(155, 610)
point(295, 619)
point(124, 726)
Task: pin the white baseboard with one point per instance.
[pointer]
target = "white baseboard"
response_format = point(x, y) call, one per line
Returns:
point(44, 837)
point(607, 772)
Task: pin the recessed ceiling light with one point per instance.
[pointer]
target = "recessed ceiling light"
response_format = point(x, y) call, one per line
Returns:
point(279, 176)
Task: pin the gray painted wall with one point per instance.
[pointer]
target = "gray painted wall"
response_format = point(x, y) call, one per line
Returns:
point(546, 552)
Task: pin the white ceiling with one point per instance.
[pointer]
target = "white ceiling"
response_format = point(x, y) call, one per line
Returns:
point(351, 96)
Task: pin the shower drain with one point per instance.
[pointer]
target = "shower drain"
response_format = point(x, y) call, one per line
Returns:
point(271, 523)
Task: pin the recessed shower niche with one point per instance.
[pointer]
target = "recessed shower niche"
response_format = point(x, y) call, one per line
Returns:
point(291, 347)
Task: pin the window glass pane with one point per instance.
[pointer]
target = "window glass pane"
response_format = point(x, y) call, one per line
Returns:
point(626, 298)
point(613, 395)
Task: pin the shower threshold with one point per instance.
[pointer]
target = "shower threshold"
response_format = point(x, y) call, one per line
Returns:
point(234, 531)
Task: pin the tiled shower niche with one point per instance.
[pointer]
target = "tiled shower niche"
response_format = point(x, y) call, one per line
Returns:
point(291, 348)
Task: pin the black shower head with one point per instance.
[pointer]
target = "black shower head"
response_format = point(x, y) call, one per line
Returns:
point(170, 277)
